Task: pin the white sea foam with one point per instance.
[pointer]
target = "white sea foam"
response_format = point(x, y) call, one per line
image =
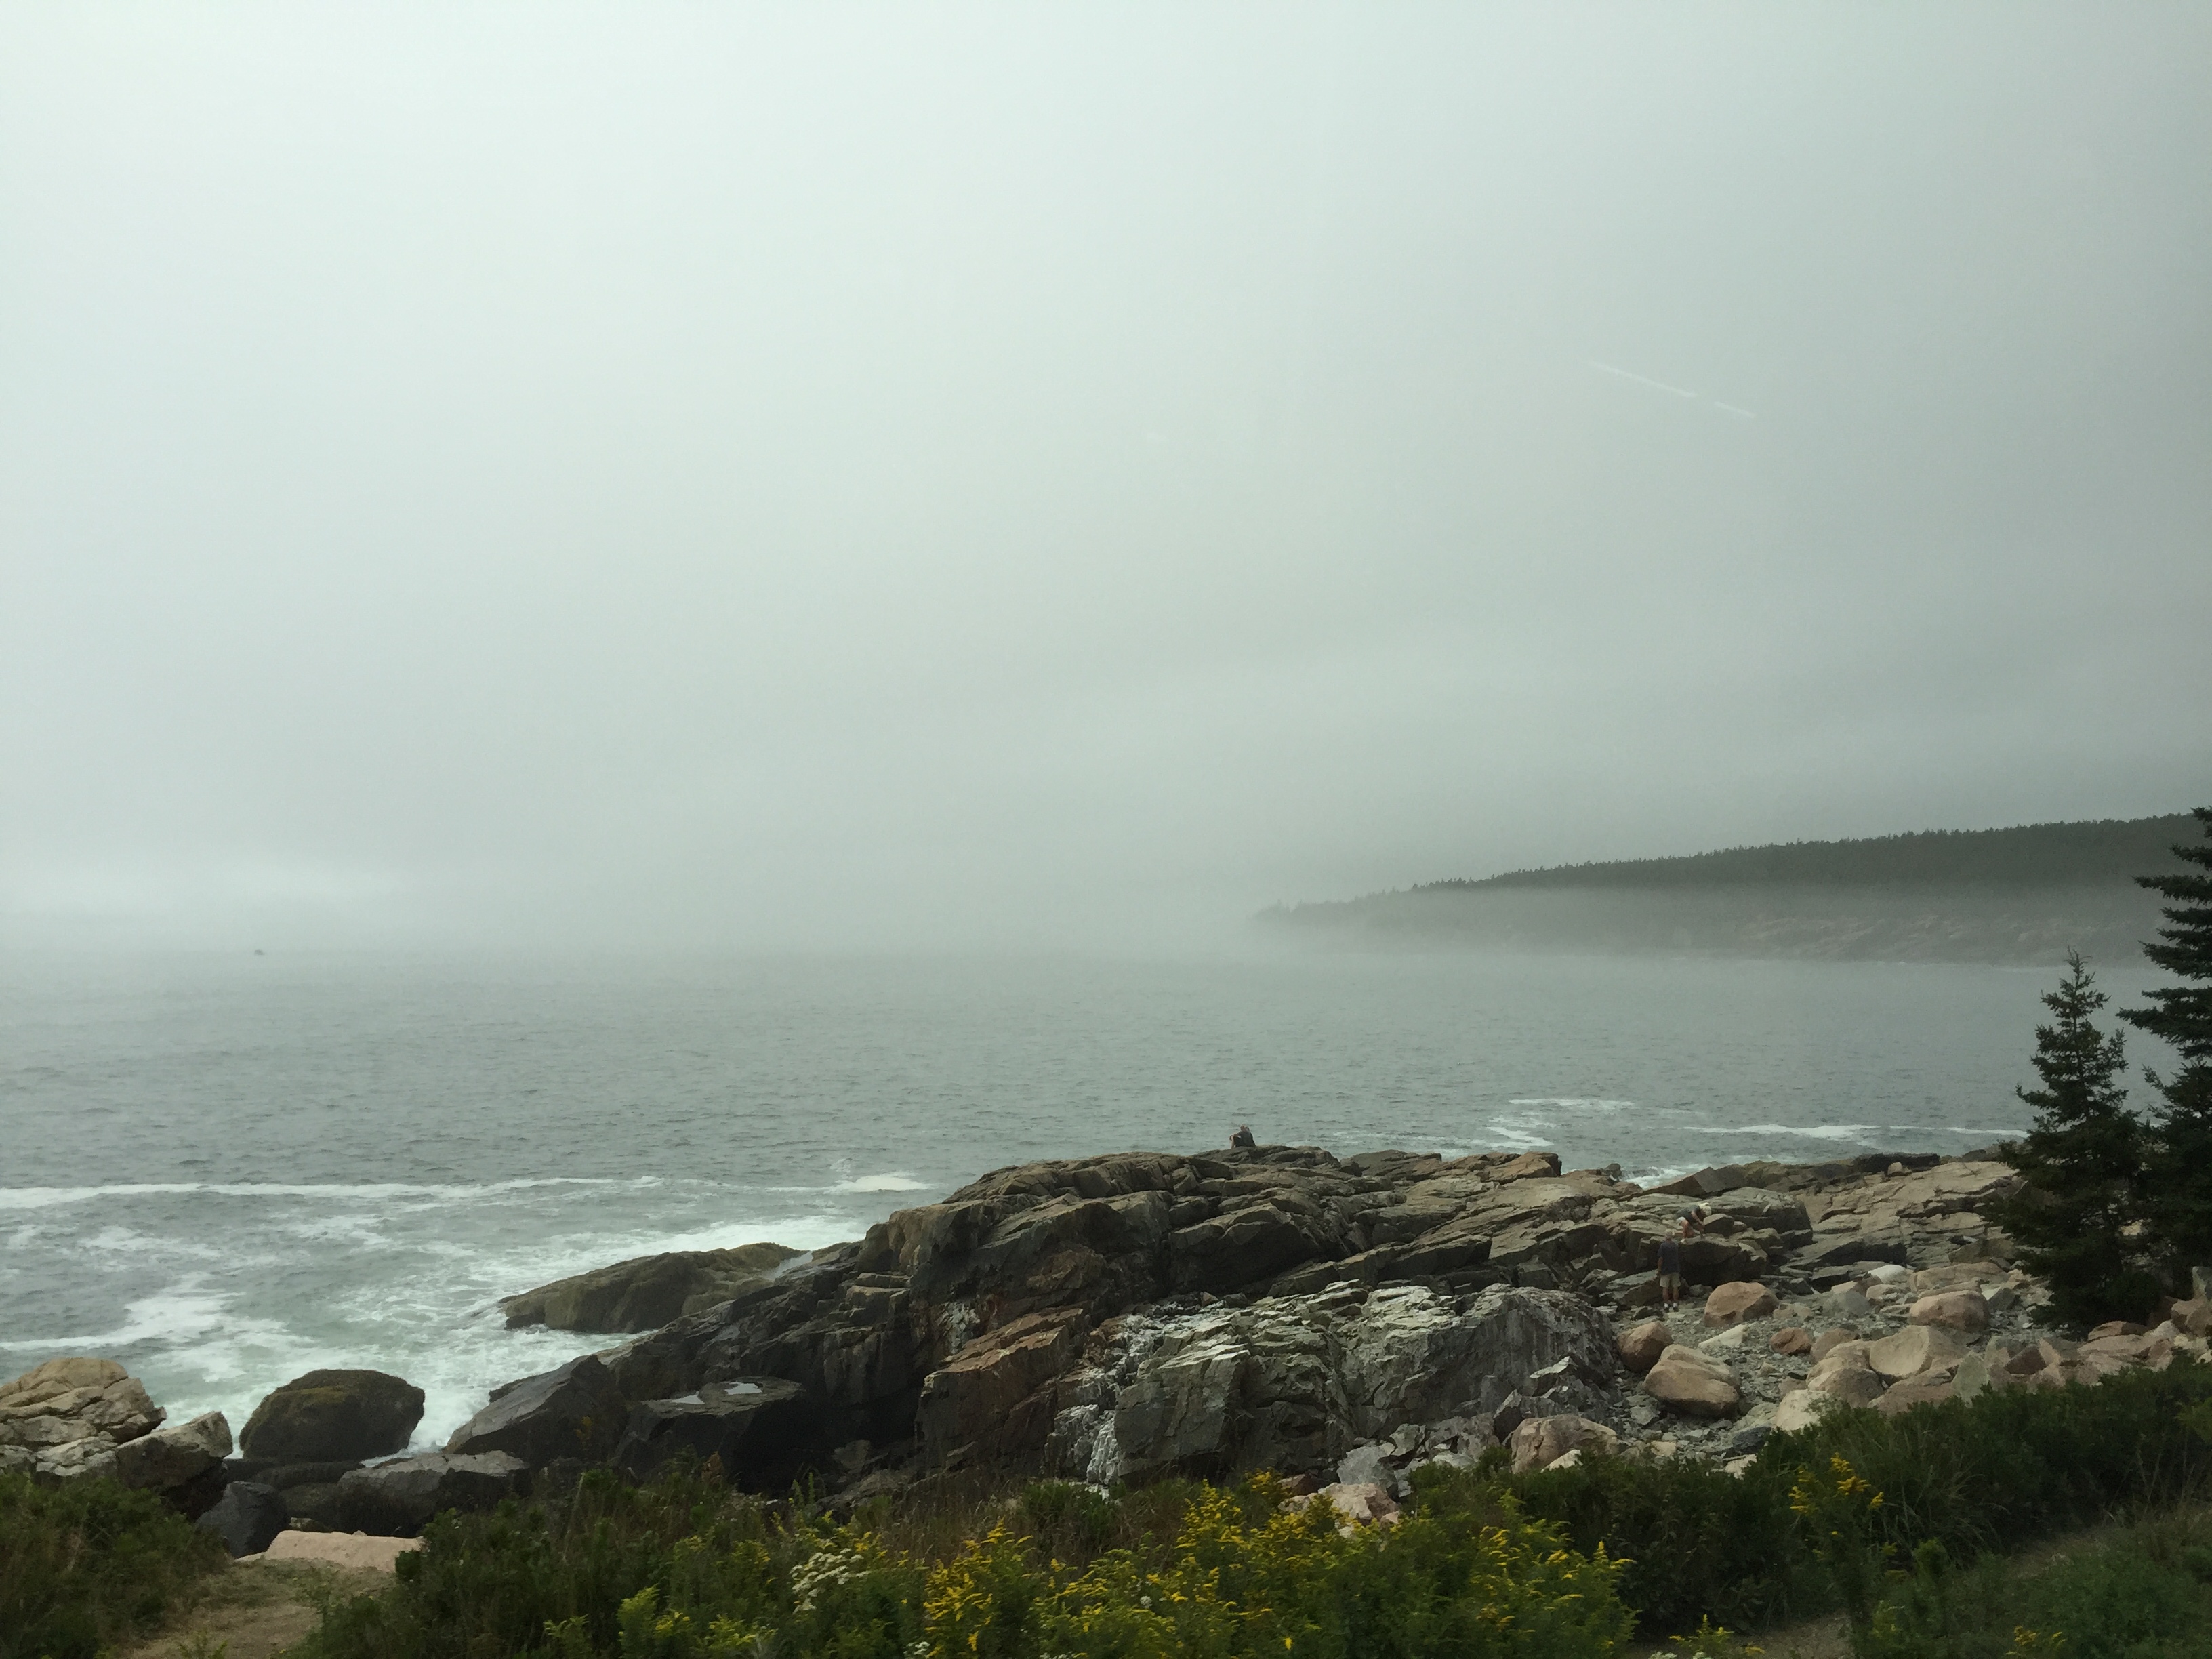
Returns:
point(1575, 1103)
point(1811, 1132)
point(42, 1198)
point(895, 1182)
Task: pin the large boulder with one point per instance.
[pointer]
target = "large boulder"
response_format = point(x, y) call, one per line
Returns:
point(1914, 1350)
point(1845, 1375)
point(1957, 1310)
point(1540, 1442)
point(646, 1292)
point(63, 1419)
point(1914, 1391)
point(247, 1517)
point(175, 1456)
point(397, 1499)
point(329, 1416)
point(1733, 1303)
point(1640, 1347)
point(762, 1431)
point(1693, 1383)
point(573, 1411)
point(1801, 1409)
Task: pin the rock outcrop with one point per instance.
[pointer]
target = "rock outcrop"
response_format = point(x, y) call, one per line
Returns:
point(1294, 1383)
point(646, 1291)
point(332, 1416)
point(68, 1416)
point(1121, 1317)
point(71, 1418)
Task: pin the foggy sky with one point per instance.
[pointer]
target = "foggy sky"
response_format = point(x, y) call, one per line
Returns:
point(821, 474)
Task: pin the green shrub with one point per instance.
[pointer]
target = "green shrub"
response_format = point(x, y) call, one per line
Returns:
point(88, 1564)
point(682, 1570)
point(2007, 1469)
point(2144, 1594)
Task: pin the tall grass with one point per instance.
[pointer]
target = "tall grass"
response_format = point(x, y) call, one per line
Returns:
point(88, 1564)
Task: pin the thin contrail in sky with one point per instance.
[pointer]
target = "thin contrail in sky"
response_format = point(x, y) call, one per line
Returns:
point(1640, 379)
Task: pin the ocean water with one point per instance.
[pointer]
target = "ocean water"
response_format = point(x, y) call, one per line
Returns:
point(227, 1170)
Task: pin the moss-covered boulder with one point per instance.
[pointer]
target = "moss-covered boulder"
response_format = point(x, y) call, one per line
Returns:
point(646, 1291)
point(334, 1416)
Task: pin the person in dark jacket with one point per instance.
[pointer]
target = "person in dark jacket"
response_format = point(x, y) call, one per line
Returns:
point(1243, 1137)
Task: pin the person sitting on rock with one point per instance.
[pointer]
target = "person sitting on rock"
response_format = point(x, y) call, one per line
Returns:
point(1243, 1136)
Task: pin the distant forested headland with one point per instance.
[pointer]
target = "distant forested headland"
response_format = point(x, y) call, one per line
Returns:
point(2028, 894)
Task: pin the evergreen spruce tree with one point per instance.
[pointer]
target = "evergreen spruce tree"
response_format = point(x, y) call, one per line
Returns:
point(2081, 1160)
point(2177, 1180)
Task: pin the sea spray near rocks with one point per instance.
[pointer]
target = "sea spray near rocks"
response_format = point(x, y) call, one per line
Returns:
point(235, 1172)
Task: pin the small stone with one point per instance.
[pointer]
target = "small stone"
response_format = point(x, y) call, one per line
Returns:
point(1791, 1339)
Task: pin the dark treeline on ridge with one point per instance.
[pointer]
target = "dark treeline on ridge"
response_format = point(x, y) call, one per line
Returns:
point(2030, 893)
point(2108, 851)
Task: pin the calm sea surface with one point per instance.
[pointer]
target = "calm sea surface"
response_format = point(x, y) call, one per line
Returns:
point(228, 1171)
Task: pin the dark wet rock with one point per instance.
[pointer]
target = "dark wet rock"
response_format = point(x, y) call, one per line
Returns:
point(646, 1291)
point(397, 1499)
point(573, 1411)
point(762, 1431)
point(333, 1415)
point(246, 1518)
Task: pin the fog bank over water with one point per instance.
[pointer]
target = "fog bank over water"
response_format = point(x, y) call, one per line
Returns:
point(778, 477)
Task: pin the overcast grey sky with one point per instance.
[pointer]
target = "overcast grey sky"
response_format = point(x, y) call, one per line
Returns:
point(827, 475)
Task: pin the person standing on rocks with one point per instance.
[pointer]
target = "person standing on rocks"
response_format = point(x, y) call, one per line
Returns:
point(1243, 1137)
point(1670, 1260)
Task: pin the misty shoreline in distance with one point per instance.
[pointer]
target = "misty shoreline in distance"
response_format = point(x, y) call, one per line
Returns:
point(2020, 896)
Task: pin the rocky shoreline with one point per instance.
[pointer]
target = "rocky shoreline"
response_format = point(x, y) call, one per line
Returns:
point(1122, 1318)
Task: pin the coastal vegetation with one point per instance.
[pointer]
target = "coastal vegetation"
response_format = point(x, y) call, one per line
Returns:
point(1561, 1562)
point(1903, 1524)
point(2116, 1208)
point(87, 1564)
